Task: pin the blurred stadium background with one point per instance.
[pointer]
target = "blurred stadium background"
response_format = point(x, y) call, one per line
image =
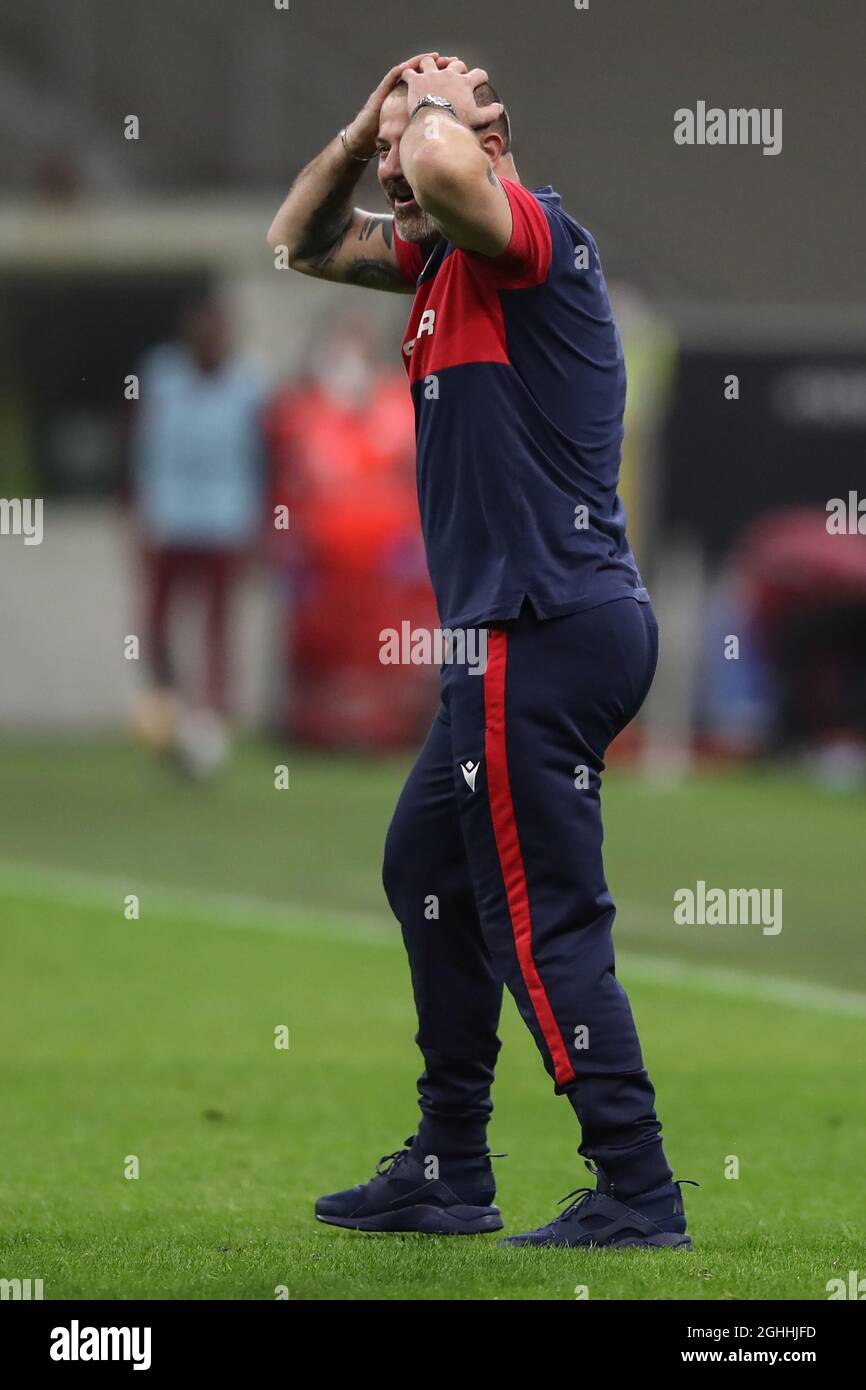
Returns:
point(743, 772)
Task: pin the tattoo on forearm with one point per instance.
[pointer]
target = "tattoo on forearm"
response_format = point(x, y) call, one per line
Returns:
point(383, 220)
point(375, 275)
point(329, 223)
point(326, 230)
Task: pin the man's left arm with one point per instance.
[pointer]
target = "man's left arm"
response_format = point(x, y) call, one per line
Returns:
point(446, 167)
point(453, 181)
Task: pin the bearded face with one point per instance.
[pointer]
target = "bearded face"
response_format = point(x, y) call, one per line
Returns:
point(410, 219)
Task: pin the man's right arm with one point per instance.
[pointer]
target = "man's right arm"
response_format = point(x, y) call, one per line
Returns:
point(323, 232)
point(326, 236)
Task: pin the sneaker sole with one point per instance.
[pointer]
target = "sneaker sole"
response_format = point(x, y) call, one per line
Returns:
point(663, 1241)
point(426, 1221)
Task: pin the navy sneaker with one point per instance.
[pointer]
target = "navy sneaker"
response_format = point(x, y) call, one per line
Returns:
point(399, 1197)
point(595, 1218)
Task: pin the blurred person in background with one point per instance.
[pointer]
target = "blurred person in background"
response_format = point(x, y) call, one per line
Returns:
point(198, 479)
point(342, 444)
point(802, 590)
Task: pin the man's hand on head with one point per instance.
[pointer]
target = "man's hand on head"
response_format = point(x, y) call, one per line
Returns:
point(326, 236)
point(450, 79)
point(362, 131)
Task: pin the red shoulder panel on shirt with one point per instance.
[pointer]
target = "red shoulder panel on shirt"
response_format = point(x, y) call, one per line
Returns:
point(525, 262)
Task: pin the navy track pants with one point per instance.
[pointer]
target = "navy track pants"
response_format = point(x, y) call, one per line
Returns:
point(493, 867)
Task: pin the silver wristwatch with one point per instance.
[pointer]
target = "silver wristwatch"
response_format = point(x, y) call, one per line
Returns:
point(441, 104)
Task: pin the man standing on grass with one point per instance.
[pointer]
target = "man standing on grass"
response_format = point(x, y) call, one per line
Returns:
point(493, 861)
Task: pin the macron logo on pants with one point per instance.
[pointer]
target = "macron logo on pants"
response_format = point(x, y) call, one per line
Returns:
point(470, 772)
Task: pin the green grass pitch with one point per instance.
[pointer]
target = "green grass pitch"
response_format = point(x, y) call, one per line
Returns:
point(261, 908)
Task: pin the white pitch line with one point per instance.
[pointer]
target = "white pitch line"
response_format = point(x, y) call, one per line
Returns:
point(345, 925)
point(222, 909)
point(767, 989)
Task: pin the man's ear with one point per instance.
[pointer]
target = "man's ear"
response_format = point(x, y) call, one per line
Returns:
point(493, 146)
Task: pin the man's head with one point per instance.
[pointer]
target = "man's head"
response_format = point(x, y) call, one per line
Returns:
point(413, 223)
point(205, 331)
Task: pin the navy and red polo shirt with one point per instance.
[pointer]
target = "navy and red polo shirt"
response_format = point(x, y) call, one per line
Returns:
point(518, 382)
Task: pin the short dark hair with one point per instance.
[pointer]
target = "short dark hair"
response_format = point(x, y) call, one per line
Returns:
point(485, 95)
